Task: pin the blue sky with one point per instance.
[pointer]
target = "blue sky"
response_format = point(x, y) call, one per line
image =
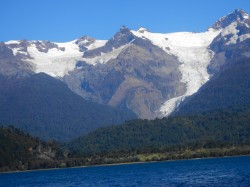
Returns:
point(65, 20)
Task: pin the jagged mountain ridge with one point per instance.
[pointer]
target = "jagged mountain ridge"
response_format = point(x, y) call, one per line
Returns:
point(148, 73)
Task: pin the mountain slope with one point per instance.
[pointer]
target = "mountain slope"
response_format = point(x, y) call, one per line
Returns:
point(47, 108)
point(140, 77)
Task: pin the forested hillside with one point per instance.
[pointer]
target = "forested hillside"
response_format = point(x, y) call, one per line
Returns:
point(47, 108)
point(20, 151)
point(206, 130)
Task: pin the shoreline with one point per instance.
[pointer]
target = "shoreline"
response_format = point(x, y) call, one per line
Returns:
point(118, 164)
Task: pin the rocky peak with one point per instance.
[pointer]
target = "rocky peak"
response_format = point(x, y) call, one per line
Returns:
point(45, 46)
point(84, 42)
point(239, 16)
point(235, 28)
point(122, 37)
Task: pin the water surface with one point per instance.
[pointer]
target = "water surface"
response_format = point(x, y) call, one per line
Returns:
point(230, 171)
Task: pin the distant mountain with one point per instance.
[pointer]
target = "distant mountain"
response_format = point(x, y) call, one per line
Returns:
point(47, 108)
point(147, 73)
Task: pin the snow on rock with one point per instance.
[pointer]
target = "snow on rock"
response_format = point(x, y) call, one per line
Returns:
point(105, 57)
point(142, 30)
point(17, 49)
point(246, 16)
point(192, 51)
point(231, 30)
point(244, 37)
point(96, 44)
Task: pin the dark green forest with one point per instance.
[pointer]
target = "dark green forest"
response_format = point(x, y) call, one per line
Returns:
point(20, 151)
point(229, 127)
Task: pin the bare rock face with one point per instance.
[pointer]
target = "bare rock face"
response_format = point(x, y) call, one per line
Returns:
point(140, 78)
point(124, 36)
point(83, 42)
point(45, 46)
point(12, 65)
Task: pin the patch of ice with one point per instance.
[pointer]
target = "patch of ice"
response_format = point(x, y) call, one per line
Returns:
point(142, 30)
point(97, 44)
point(246, 16)
point(12, 42)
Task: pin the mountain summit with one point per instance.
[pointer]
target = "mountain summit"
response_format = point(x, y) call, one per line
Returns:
point(239, 16)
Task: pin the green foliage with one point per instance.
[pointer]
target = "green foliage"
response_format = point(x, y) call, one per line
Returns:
point(20, 151)
point(207, 130)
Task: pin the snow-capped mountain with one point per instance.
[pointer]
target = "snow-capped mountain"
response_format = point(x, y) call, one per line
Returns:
point(148, 73)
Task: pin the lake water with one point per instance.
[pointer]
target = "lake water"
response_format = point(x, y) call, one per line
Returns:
point(231, 171)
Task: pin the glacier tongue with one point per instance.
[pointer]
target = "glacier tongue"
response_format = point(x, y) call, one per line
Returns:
point(192, 51)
